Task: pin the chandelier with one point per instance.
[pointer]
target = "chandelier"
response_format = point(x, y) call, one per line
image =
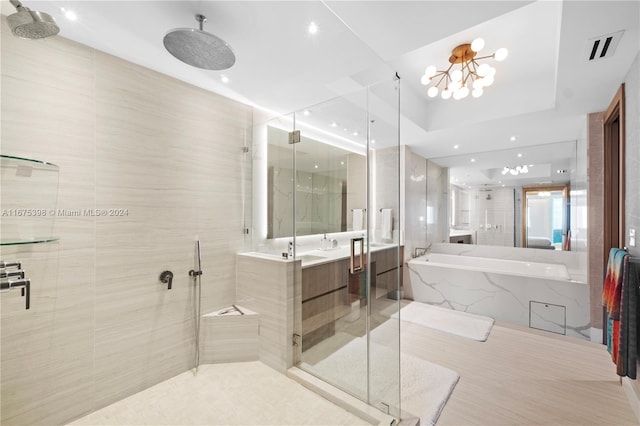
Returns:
point(515, 171)
point(456, 81)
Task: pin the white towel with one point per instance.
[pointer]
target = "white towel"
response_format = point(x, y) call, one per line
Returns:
point(357, 219)
point(387, 224)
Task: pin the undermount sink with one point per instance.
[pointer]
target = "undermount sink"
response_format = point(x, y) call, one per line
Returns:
point(378, 244)
point(310, 258)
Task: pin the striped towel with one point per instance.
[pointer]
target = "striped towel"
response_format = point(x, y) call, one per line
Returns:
point(612, 289)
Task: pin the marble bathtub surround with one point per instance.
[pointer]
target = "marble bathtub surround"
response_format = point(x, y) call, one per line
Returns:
point(574, 261)
point(553, 303)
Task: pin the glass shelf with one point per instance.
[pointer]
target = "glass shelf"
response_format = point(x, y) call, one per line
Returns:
point(28, 200)
point(9, 161)
point(33, 241)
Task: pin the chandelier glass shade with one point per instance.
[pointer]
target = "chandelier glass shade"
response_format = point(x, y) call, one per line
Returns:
point(464, 75)
point(515, 171)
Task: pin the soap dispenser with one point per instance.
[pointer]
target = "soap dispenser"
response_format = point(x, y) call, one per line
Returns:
point(324, 242)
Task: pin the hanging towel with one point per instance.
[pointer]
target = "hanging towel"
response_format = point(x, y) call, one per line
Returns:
point(612, 288)
point(619, 297)
point(358, 217)
point(628, 340)
point(387, 224)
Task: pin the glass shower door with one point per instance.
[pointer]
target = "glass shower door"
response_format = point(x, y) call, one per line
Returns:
point(346, 180)
point(331, 238)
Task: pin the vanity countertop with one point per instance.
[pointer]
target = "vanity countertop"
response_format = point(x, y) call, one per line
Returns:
point(317, 256)
point(459, 232)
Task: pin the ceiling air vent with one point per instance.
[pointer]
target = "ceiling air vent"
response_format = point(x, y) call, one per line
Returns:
point(603, 46)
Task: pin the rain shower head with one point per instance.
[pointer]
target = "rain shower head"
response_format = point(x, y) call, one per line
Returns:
point(26, 23)
point(199, 48)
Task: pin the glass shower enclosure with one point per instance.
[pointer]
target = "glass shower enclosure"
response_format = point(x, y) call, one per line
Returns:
point(333, 200)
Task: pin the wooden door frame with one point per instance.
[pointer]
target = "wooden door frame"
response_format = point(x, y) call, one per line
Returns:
point(614, 165)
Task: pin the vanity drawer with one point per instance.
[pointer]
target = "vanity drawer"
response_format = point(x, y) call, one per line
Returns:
point(322, 279)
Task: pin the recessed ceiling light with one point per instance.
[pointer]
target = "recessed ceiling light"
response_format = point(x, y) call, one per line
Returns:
point(334, 124)
point(312, 28)
point(373, 141)
point(306, 112)
point(513, 138)
point(224, 79)
point(355, 133)
point(342, 163)
point(473, 160)
point(456, 146)
point(315, 167)
point(345, 129)
point(69, 14)
point(530, 165)
point(503, 184)
point(519, 155)
point(499, 181)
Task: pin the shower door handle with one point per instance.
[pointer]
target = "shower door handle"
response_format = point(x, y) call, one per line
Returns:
point(357, 255)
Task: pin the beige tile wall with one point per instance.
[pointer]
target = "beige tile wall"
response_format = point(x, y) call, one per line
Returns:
point(267, 286)
point(101, 326)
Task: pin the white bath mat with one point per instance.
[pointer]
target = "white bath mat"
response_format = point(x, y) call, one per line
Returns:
point(426, 387)
point(472, 326)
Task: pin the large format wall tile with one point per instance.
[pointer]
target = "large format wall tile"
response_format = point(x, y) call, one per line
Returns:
point(267, 286)
point(48, 113)
point(168, 153)
point(101, 325)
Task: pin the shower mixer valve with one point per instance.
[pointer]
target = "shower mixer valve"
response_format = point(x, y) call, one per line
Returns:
point(167, 278)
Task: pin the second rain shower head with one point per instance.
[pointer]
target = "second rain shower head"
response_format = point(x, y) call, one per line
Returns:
point(199, 48)
point(27, 23)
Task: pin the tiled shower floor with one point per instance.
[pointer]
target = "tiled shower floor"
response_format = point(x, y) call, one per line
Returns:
point(248, 393)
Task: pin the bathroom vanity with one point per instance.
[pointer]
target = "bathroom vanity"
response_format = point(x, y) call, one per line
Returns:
point(330, 292)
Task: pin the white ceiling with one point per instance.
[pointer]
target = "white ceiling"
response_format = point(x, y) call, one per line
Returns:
point(541, 92)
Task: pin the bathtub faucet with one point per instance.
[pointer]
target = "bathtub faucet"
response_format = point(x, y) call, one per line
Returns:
point(421, 251)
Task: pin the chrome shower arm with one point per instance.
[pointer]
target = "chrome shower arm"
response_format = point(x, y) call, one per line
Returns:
point(19, 7)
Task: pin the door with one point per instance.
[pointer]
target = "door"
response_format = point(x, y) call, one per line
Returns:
point(345, 187)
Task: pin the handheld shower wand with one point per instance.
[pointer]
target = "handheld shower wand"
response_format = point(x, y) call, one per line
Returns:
point(196, 273)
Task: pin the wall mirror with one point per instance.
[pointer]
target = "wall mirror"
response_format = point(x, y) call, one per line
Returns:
point(517, 197)
point(327, 186)
point(546, 217)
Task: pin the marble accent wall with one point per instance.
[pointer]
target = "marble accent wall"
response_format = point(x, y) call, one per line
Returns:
point(357, 187)
point(437, 203)
point(101, 325)
point(386, 193)
point(415, 201)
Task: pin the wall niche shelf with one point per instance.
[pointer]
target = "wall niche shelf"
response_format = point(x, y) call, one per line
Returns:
point(28, 200)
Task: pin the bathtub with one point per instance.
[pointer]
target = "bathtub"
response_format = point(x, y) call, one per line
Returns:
point(534, 294)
